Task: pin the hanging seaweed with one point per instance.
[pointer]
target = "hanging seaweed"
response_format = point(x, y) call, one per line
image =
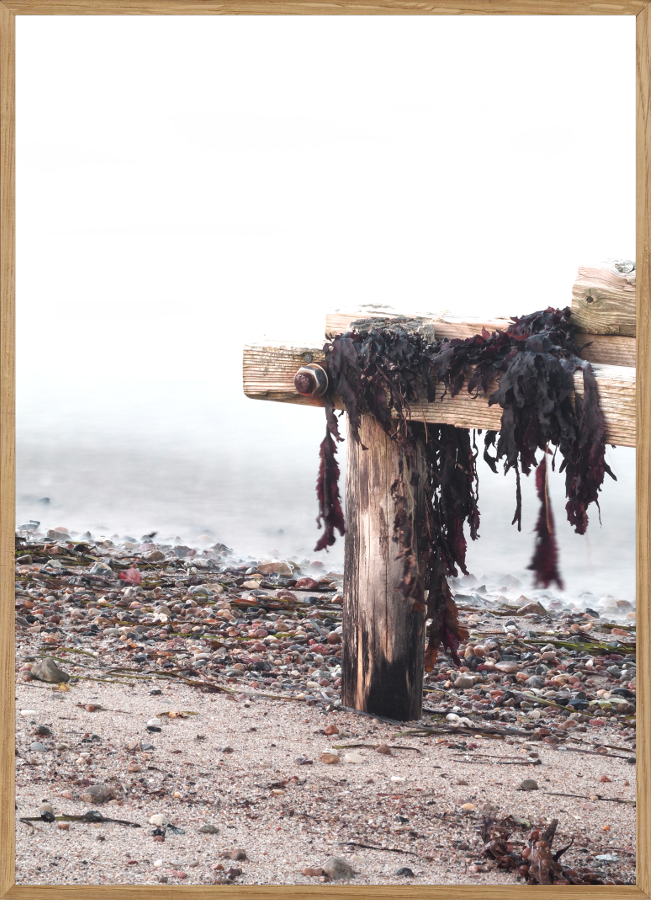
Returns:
point(545, 558)
point(387, 371)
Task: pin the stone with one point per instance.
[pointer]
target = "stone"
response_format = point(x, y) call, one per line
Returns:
point(507, 668)
point(533, 607)
point(274, 568)
point(99, 793)
point(47, 670)
point(236, 855)
point(354, 758)
point(37, 747)
point(63, 826)
point(535, 682)
point(334, 638)
point(42, 729)
point(385, 749)
point(312, 872)
point(528, 785)
point(209, 829)
point(46, 812)
point(159, 820)
point(405, 872)
point(337, 868)
point(329, 758)
point(154, 556)
point(331, 729)
point(464, 681)
point(307, 584)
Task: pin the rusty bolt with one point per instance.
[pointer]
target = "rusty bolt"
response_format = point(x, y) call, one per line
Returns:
point(311, 381)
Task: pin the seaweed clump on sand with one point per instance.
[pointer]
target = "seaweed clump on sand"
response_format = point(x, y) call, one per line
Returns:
point(534, 861)
point(387, 371)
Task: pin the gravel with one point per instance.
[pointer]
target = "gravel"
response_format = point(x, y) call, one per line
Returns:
point(207, 711)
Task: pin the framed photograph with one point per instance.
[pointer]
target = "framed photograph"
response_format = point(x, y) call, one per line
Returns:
point(378, 631)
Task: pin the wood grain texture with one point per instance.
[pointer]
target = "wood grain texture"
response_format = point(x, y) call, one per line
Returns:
point(603, 302)
point(383, 638)
point(334, 891)
point(7, 419)
point(269, 371)
point(643, 453)
point(326, 7)
point(610, 349)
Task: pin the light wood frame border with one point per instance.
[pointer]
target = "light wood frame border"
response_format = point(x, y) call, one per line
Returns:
point(8, 11)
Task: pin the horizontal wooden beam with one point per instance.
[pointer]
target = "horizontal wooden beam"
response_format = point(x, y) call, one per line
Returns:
point(603, 300)
point(269, 371)
point(609, 349)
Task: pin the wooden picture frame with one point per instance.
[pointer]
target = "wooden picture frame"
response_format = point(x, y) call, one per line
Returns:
point(8, 12)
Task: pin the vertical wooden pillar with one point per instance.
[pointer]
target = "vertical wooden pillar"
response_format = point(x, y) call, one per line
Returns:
point(383, 638)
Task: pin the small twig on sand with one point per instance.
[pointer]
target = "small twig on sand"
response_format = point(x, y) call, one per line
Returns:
point(598, 796)
point(374, 747)
point(370, 847)
point(91, 816)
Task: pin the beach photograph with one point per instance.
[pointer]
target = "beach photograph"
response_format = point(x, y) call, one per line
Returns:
point(325, 542)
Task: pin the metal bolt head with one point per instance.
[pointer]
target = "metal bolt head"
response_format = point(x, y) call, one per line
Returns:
point(311, 381)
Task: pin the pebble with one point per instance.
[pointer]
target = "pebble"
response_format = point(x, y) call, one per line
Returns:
point(236, 855)
point(311, 872)
point(528, 785)
point(209, 829)
point(37, 746)
point(329, 758)
point(47, 670)
point(405, 872)
point(385, 749)
point(464, 681)
point(337, 868)
point(98, 793)
point(63, 826)
point(354, 758)
point(159, 820)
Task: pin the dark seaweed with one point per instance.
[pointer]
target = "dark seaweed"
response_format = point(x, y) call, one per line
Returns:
point(534, 860)
point(327, 485)
point(388, 372)
point(545, 558)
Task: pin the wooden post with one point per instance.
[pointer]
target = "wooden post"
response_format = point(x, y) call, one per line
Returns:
point(383, 638)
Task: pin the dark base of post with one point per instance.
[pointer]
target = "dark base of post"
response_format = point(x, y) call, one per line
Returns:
point(383, 638)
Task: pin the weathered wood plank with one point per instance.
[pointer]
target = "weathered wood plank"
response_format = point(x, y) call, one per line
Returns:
point(603, 301)
point(610, 349)
point(383, 638)
point(269, 371)
point(445, 324)
point(643, 453)
point(323, 8)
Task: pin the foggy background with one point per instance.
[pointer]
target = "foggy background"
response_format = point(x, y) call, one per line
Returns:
point(189, 184)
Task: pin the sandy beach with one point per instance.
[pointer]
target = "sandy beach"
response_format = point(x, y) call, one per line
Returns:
point(190, 685)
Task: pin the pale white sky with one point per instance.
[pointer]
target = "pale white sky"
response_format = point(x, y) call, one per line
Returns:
point(186, 184)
